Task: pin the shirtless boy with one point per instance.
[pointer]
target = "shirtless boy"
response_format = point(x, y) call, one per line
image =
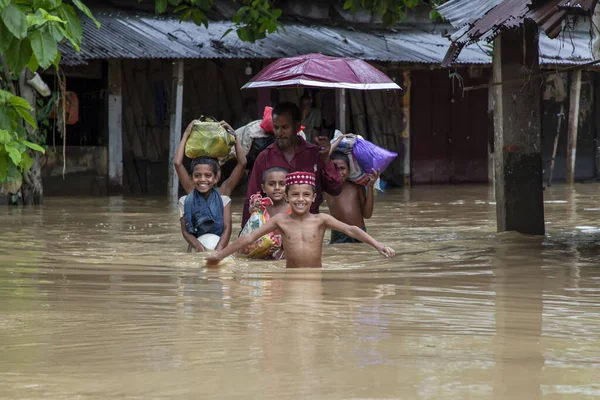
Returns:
point(353, 205)
point(302, 231)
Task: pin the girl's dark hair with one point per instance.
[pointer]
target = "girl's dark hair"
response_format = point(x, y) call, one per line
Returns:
point(338, 155)
point(204, 160)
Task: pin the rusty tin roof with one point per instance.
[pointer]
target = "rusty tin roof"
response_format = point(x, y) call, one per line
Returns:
point(485, 23)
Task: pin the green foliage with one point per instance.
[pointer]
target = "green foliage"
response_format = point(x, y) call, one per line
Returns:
point(30, 31)
point(14, 160)
point(254, 20)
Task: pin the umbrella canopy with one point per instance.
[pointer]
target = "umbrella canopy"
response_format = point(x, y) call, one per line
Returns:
point(317, 70)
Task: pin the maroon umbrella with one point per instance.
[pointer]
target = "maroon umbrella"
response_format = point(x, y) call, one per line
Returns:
point(317, 70)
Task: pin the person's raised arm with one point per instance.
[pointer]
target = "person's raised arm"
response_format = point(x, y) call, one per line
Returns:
point(357, 233)
point(238, 172)
point(243, 241)
point(226, 235)
point(331, 179)
point(337, 141)
point(184, 176)
point(369, 200)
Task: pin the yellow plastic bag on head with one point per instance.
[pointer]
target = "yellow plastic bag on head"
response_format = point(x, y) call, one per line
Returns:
point(208, 138)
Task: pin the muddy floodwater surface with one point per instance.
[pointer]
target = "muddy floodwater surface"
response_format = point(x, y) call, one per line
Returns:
point(98, 300)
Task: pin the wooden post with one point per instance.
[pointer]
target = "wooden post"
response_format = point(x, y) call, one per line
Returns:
point(175, 134)
point(342, 113)
point(406, 86)
point(115, 127)
point(517, 132)
point(490, 146)
point(574, 95)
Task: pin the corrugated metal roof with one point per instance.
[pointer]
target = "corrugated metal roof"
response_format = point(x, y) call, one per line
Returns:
point(463, 12)
point(144, 36)
point(548, 14)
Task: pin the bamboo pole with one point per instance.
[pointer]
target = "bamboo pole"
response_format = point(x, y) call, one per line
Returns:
point(574, 95)
point(553, 159)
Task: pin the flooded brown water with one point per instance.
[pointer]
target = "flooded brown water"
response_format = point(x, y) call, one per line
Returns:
point(98, 300)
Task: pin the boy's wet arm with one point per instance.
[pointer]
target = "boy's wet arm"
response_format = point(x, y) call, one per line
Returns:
point(248, 239)
point(350, 230)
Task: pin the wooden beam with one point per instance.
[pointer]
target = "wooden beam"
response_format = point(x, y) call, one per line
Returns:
point(407, 84)
point(176, 115)
point(115, 126)
point(517, 132)
point(342, 102)
point(574, 97)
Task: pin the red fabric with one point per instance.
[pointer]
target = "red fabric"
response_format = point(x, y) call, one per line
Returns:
point(306, 159)
point(267, 121)
point(300, 178)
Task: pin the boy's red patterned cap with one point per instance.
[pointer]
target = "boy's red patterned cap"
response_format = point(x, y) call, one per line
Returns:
point(300, 178)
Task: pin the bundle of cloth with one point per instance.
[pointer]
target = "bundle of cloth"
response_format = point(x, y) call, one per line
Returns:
point(268, 246)
point(362, 155)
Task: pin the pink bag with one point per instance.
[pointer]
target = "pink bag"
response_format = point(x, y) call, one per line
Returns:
point(372, 157)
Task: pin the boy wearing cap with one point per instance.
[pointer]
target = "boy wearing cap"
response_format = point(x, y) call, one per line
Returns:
point(302, 232)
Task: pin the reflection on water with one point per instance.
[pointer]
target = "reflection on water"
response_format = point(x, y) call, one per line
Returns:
point(98, 300)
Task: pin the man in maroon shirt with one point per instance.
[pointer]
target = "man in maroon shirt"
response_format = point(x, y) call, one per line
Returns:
point(293, 153)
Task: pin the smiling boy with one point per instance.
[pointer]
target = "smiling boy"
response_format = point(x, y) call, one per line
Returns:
point(302, 232)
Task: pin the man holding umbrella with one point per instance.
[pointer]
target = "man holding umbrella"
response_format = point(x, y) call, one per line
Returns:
point(294, 154)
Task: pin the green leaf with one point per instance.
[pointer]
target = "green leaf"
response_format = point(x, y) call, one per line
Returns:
point(73, 28)
point(186, 15)
point(57, 34)
point(15, 21)
point(3, 166)
point(36, 19)
point(34, 146)
point(46, 4)
point(5, 37)
point(26, 162)
point(14, 154)
point(276, 13)
point(243, 34)
point(271, 27)
point(348, 5)
point(16, 101)
point(199, 18)
point(4, 3)
point(18, 55)
point(4, 136)
point(33, 65)
point(56, 61)
point(161, 6)
point(12, 173)
point(26, 116)
point(227, 32)
point(180, 8)
point(44, 46)
point(83, 8)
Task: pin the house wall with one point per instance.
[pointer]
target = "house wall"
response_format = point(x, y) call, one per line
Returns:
point(449, 127)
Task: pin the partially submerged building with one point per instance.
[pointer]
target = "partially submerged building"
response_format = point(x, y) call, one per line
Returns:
point(141, 78)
